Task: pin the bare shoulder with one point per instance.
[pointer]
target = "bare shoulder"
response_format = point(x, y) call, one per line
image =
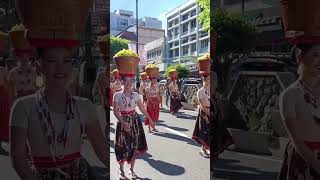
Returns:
point(291, 93)
point(24, 102)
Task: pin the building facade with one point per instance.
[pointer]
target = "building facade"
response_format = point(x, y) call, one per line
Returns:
point(156, 53)
point(186, 39)
point(121, 19)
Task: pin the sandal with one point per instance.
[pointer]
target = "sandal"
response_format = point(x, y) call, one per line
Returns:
point(204, 153)
point(155, 130)
point(132, 174)
point(122, 176)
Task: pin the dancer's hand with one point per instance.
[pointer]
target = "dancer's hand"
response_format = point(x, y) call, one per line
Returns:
point(125, 126)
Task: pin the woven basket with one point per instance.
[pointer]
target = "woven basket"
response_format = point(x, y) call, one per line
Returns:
point(18, 40)
point(152, 72)
point(59, 19)
point(3, 42)
point(173, 75)
point(301, 18)
point(204, 67)
point(127, 65)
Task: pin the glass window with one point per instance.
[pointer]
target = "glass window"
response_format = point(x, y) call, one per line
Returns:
point(184, 17)
point(204, 43)
point(185, 50)
point(185, 28)
point(176, 43)
point(176, 52)
point(193, 13)
point(193, 47)
point(193, 23)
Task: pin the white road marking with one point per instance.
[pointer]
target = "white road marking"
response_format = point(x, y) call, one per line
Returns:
point(256, 156)
point(236, 171)
point(177, 133)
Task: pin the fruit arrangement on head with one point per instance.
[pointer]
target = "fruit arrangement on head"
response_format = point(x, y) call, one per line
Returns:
point(173, 74)
point(204, 65)
point(152, 71)
point(127, 62)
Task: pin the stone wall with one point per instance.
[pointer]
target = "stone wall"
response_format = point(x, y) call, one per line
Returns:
point(255, 96)
point(190, 92)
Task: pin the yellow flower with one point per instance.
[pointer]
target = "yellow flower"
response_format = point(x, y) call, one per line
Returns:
point(126, 53)
point(172, 70)
point(204, 57)
point(151, 66)
point(103, 38)
point(17, 27)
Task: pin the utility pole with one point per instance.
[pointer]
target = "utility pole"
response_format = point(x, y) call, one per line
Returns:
point(242, 7)
point(137, 44)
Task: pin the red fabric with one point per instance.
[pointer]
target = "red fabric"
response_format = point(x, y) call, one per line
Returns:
point(153, 109)
point(4, 114)
point(312, 145)
point(51, 43)
point(304, 40)
point(128, 75)
point(23, 51)
point(48, 162)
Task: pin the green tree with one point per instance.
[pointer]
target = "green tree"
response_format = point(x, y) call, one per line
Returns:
point(183, 71)
point(116, 45)
point(204, 16)
point(235, 36)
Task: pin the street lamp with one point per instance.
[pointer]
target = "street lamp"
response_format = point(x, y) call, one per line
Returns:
point(137, 45)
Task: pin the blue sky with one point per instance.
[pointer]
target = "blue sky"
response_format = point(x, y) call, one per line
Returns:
point(150, 8)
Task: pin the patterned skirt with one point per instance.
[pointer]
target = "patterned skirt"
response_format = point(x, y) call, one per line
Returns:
point(220, 138)
point(153, 109)
point(201, 132)
point(175, 104)
point(4, 114)
point(294, 167)
point(78, 170)
point(128, 145)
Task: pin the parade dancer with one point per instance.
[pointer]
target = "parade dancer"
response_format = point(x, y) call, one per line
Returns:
point(143, 86)
point(22, 79)
point(52, 121)
point(153, 97)
point(167, 91)
point(201, 132)
point(220, 138)
point(300, 103)
point(175, 104)
point(130, 138)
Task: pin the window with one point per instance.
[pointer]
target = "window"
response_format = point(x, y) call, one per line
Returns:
point(171, 54)
point(193, 38)
point(193, 47)
point(193, 23)
point(185, 40)
point(203, 34)
point(185, 50)
point(170, 24)
point(176, 52)
point(122, 22)
point(158, 53)
point(204, 44)
point(176, 31)
point(176, 21)
point(170, 45)
point(149, 56)
point(193, 13)
point(184, 17)
point(185, 28)
point(176, 43)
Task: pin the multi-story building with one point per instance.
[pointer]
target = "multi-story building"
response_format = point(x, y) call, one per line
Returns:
point(266, 15)
point(185, 35)
point(121, 19)
point(156, 53)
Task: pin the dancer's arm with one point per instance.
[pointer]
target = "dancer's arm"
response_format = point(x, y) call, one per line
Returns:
point(288, 114)
point(18, 142)
point(95, 135)
point(117, 113)
point(144, 111)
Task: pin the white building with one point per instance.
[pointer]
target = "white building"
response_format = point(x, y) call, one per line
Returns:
point(156, 53)
point(185, 36)
point(121, 19)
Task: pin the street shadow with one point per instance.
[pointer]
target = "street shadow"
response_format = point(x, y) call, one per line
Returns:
point(3, 152)
point(100, 173)
point(163, 167)
point(227, 169)
point(165, 110)
point(112, 144)
point(176, 137)
point(160, 123)
point(182, 115)
point(112, 130)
